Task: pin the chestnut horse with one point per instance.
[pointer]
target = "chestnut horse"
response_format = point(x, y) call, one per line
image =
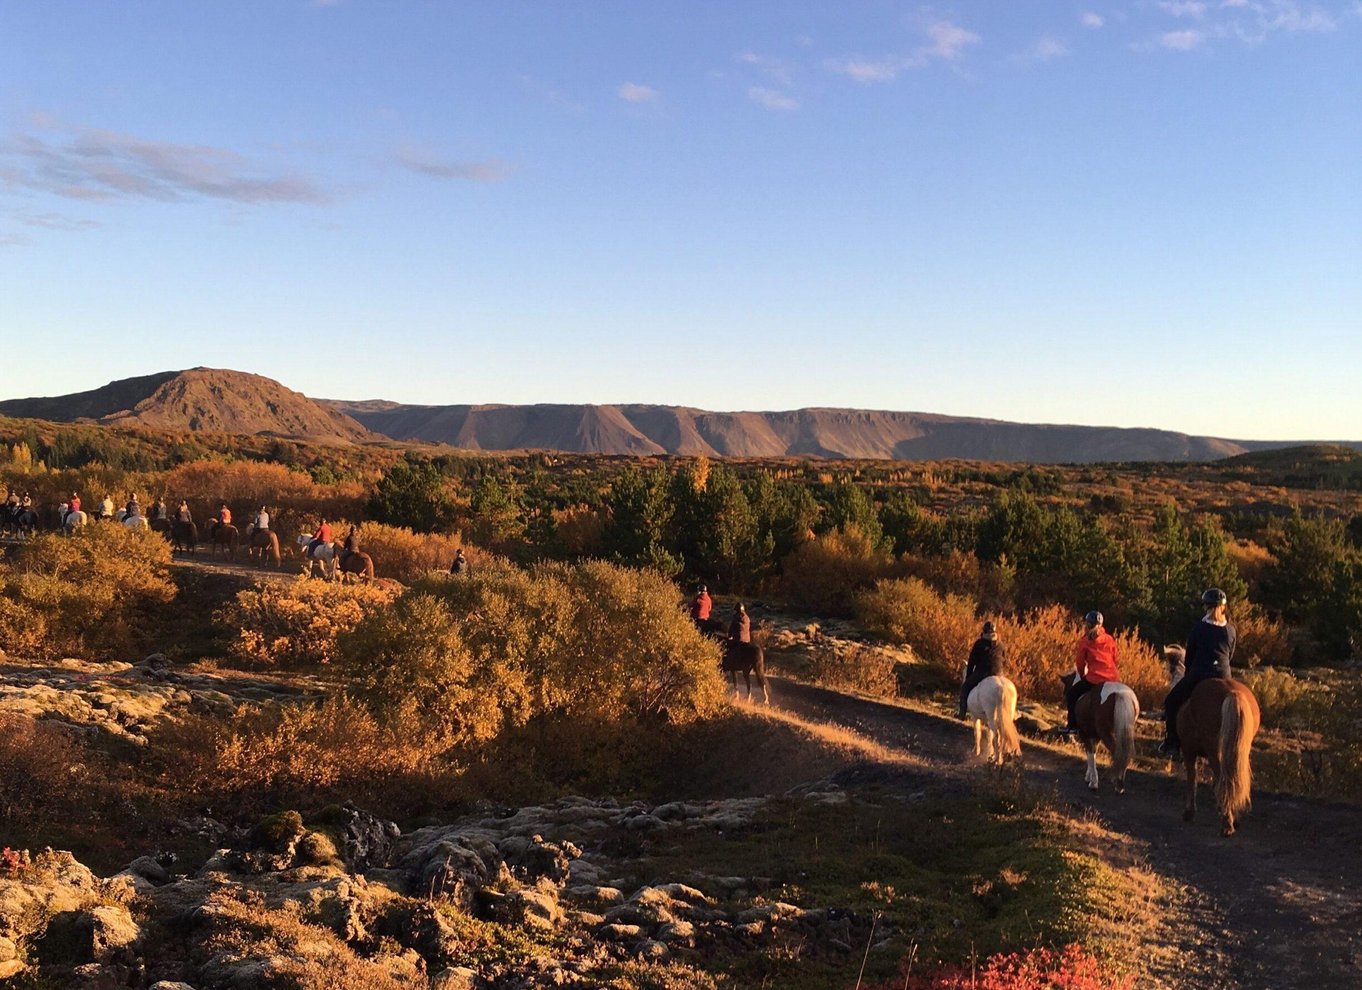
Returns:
point(1107, 714)
point(993, 710)
point(266, 541)
point(1217, 724)
point(223, 537)
point(747, 658)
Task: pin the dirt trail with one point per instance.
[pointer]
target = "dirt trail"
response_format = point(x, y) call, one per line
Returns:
point(1276, 907)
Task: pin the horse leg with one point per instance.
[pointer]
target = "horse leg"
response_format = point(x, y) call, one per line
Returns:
point(765, 692)
point(1091, 775)
point(747, 680)
point(1189, 807)
point(978, 738)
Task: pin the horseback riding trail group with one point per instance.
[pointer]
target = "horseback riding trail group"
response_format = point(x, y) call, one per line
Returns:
point(1207, 714)
point(331, 559)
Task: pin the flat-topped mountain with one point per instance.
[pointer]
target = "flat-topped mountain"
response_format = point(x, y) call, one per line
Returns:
point(200, 399)
point(852, 433)
point(207, 399)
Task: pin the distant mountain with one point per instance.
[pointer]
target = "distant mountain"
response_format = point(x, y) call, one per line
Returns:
point(644, 429)
point(201, 399)
point(207, 399)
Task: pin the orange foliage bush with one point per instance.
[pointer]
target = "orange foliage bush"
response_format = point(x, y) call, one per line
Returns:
point(1261, 638)
point(825, 573)
point(940, 628)
point(406, 556)
point(1071, 968)
point(297, 622)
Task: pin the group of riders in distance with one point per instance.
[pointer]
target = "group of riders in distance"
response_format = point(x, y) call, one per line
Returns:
point(21, 517)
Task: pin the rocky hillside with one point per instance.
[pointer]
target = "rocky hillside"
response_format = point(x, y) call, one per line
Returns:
point(852, 433)
point(201, 399)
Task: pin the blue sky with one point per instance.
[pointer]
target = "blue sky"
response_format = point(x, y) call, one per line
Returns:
point(1135, 213)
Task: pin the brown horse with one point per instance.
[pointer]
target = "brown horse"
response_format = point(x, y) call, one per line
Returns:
point(1106, 714)
point(184, 536)
point(747, 658)
point(267, 542)
point(1217, 724)
point(357, 564)
point(224, 538)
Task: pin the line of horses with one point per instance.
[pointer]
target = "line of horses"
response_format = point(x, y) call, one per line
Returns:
point(1217, 724)
point(325, 560)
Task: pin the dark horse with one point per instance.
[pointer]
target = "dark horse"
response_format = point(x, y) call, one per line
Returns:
point(224, 537)
point(266, 541)
point(20, 520)
point(1217, 724)
point(184, 536)
point(749, 658)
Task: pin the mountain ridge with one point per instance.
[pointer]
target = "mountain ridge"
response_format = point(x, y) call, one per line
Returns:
point(220, 400)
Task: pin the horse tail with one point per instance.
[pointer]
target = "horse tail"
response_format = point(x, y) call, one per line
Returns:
point(368, 568)
point(1125, 716)
point(1236, 737)
point(1005, 718)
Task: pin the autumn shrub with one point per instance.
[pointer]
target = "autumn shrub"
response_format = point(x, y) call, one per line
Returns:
point(591, 641)
point(94, 590)
point(1070, 968)
point(961, 573)
point(1261, 638)
point(1279, 692)
point(406, 556)
point(940, 628)
point(309, 753)
point(857, 668)
point(41, 765)
point(296, 623)
point(825, 573)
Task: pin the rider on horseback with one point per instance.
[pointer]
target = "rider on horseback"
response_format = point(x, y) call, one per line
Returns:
point(223, 518)
point(700, 605)
point(262, 520)
point(740, 629)
point(72, 507)
point(132, 508)
point(182, 514)
point(986, 659)
point(350, 546)
point(323, 535)
point(1094, 662)
point(459, 565)
point(1210, 648)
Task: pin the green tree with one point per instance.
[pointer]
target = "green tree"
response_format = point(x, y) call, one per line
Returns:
point(641, 509)
point(412, 493)
point(495, 510)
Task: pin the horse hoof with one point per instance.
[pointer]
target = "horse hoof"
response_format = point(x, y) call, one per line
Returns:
point(1092, 787)
point(1120, 788)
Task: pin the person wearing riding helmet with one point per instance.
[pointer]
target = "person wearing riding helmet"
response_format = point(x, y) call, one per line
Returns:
point(182, 514)
point(701, 605)
point(262, 520)
point(1210, 648)
point(986, 659)
point(740, 629)
point(1094, 662)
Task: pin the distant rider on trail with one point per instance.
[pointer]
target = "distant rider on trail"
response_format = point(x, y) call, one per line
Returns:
point(986, 659)
point(262, 520)
point(223, 518)
point(1094, 662)
point(460, 563)
point(351, 545)
point(1210, 648)
point(740, 629)
point(700, 605)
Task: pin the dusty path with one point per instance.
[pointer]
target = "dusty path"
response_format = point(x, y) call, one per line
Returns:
point(1276, 907)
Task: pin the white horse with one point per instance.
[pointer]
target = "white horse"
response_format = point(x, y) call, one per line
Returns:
point(133, 522)
point(993, 710)
point(73, 520)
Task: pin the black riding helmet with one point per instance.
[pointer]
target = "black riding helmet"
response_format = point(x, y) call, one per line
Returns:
point(1093, 619)
point(1212, 597)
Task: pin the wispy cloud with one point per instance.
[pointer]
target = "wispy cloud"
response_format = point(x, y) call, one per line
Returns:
point(1092, 20)
point(419, 160)
point(1182, 41)
point(772, 99)
point(97, 164)
point(777, 68)
point(1250, 22)
point(944, 41)
point(1046, 47)
point(548, 94)
point(53, 221)
point(636, 93)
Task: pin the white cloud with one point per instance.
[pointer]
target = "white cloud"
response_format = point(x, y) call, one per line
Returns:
point(418, 160)
point(1092, 20)
point(948, 40)
point(869, 70)
point(1184, 8)
point(1181, 41)
point(1046, 48)
point(636, 93)
point(772, 99)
